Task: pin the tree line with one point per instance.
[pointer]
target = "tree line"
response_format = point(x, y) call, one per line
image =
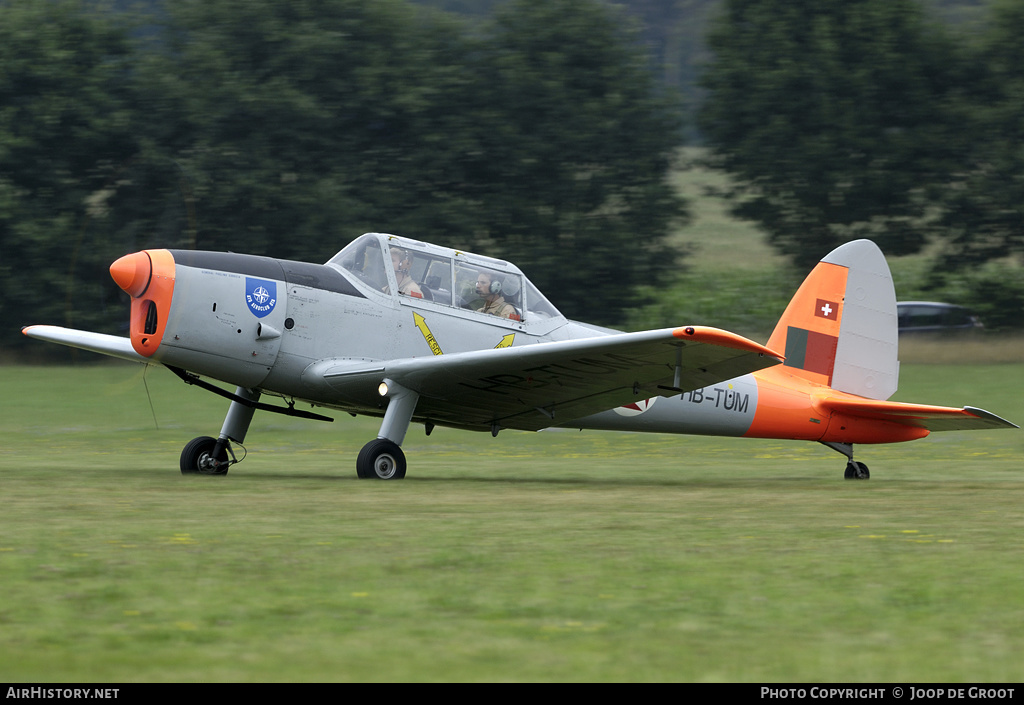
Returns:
point(539, 133)
point(842, 119)
point(288, 129)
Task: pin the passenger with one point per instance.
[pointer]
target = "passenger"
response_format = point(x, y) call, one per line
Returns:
point(406, 285)
point(490, 289)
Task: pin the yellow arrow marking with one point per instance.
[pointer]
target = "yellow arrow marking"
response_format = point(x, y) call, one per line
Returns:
point(506, 341)
point(421, 323)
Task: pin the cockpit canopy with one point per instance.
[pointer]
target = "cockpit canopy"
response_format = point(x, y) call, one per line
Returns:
point(419, 270)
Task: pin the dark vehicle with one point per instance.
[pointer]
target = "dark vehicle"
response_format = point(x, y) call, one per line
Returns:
point(933, 317)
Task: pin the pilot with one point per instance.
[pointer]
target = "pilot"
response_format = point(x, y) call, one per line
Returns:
point(494, 303)
point(406, 285)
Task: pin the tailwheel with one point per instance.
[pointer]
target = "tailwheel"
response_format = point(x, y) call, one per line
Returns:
point(200, 457)
point(381, 459)
point(856, 471)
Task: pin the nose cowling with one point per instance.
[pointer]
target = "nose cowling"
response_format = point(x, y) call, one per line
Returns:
point(148, 277)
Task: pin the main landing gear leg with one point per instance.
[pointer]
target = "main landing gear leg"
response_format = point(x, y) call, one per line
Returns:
point(383, 458)
point(854, 470)
point(213, 456)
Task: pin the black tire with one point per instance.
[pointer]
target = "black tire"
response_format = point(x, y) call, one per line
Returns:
point(381, 459)
point(196, 451)
point(856, 471)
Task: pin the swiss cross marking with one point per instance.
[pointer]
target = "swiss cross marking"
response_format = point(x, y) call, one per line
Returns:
point(826, 309)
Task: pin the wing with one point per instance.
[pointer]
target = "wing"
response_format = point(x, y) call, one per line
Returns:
point(933, 418)
point(535, 386)
point(85, 340)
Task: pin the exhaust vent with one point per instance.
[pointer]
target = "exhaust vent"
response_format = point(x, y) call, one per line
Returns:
point(151, 318)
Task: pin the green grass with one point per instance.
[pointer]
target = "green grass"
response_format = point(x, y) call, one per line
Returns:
point(730, 277)
point(530, 557)
point(717, 240)
point(550, 556)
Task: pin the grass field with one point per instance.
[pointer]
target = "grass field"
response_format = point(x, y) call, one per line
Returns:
point(550, 556)
point(531, 557)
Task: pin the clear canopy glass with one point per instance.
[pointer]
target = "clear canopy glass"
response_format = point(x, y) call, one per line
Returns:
point(419, 270)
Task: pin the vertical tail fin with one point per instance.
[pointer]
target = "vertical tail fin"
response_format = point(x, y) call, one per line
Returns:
point(840, 329)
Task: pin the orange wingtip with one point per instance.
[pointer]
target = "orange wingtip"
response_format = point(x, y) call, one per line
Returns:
point(723, 338)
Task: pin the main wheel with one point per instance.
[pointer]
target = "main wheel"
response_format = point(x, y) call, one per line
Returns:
point(381, 459)
point(197, 457)
point(856, 471)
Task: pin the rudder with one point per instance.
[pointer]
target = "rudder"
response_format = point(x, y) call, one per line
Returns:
point(840, 328)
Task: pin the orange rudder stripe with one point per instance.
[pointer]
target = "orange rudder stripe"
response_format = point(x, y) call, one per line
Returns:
point(808, 331)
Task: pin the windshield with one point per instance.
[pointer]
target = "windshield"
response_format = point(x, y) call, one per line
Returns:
point(363, 257)
point(537, 305)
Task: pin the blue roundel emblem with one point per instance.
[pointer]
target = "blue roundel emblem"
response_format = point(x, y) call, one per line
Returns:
point(260, 296)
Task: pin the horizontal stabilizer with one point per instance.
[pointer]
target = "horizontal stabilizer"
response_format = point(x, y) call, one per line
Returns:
point(85, 340)
point(933, 418)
